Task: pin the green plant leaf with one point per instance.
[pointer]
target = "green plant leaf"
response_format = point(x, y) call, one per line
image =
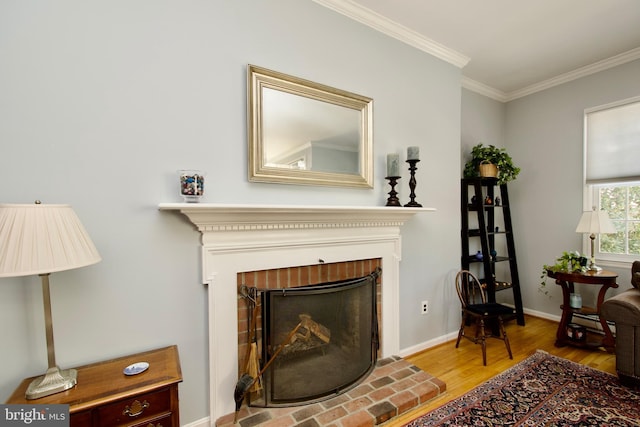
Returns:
point(507, 171)
point(569, 261)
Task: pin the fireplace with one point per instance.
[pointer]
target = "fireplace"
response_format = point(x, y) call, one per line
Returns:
point(239, 238)
point(322, 339)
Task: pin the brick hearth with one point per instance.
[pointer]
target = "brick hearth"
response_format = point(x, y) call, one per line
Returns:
point(394, 387)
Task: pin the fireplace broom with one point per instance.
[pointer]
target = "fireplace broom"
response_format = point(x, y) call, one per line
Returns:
point(246, 381)
point(252, 362)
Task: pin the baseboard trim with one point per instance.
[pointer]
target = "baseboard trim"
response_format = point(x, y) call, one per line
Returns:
point(202, 422)
point(427, 344)
point(542, 315)
point(409, 351)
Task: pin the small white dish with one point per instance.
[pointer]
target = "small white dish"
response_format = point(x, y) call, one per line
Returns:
point(136, 368)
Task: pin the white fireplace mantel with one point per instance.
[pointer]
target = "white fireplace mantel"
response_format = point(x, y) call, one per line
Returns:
point(240, 238)
point(223, 217)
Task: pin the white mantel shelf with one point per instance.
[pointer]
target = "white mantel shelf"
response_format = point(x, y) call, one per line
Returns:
point(226, 217)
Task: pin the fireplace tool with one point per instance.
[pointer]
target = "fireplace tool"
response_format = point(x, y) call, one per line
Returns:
point(252, 359)
point(246, 381)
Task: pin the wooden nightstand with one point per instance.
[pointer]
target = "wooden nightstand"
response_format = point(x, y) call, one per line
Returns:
point(105, 396)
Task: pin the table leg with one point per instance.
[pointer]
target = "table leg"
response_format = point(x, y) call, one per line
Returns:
point(565, 319)
point(608, 342)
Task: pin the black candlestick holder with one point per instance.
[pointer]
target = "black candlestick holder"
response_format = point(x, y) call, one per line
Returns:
point(393, 199)
point(412, 184)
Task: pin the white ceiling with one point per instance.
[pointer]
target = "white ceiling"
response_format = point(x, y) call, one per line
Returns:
point(510, 48)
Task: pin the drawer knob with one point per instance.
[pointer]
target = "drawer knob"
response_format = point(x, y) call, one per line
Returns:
point(136, 408)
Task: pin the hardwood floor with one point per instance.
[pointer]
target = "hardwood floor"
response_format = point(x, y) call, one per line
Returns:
point(461, 369)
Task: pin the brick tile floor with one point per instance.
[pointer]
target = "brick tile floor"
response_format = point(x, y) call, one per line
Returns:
point(394, 386)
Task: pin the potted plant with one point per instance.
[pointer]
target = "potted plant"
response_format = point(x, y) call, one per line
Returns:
point(567, 262)
point(482, 155)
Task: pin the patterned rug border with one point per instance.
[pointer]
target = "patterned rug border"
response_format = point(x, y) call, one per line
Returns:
point(542, 389)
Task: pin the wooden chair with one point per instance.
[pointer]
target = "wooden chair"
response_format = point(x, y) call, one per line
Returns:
point(484, 314)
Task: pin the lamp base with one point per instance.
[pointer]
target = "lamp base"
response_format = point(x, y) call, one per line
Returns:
point(54, 381)
point(592, 263)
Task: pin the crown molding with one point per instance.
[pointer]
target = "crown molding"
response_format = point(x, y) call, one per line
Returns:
point(391, 28)
point(484, 89)
point(386, 26)
point(596, 67)
point(587, 70)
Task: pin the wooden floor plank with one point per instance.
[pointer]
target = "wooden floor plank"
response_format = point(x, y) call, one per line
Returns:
point(461, 369)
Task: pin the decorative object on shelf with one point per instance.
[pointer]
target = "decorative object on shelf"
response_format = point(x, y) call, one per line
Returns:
point(497, 229)
point(494, 253)
point(393, 165)
point(136, 368)
point(479, 256)
point(488, 201)
point(191, 185)
point(474, 199)
point(568, 262)
point(486, 169)
point(393, 175)
point(412, 159)
point(42, 239)
point(393, 195)
point(482, 155)
point(575, 300)
point(576, 332)
point(594, 222)
point(497, 201)
point(413, 153)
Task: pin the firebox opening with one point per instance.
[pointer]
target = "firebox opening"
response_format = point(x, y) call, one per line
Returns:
point(324, 338)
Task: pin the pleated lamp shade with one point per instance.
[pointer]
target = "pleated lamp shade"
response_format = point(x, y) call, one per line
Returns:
point(40, 239)
point(595, 222)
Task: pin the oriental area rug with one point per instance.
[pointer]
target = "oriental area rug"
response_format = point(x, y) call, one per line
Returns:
point(542, 390)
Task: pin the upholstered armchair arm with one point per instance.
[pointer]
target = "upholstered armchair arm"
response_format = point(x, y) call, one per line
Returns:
point(624, 310)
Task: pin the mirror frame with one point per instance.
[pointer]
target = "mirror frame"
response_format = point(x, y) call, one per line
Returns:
point(260, 78)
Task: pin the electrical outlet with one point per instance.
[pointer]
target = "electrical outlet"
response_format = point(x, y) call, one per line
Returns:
point(424, 307)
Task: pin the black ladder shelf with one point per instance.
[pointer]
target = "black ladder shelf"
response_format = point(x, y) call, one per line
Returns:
point(478, 200)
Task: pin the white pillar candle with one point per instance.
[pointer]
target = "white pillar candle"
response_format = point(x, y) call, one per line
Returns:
point(413, 153)
point(393, 165)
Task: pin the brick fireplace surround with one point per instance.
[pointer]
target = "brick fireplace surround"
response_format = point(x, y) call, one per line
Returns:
point(243, 238)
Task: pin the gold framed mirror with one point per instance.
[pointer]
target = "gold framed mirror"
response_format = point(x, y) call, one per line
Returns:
point(302, 132)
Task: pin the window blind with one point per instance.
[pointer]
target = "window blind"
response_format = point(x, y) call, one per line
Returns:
point(612, 139)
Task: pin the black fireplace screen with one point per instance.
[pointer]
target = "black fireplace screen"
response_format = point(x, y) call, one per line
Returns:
point(327, 335)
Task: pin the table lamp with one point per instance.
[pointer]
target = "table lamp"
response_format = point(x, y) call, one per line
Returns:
point(594, 222)
point(42, 239)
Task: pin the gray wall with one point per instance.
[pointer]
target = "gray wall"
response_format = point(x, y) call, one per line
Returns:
point(544, 133)
point(103, 101)
point(483, 121)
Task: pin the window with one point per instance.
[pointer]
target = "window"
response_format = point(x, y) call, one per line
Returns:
point(612, 176)
point(622, 203)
